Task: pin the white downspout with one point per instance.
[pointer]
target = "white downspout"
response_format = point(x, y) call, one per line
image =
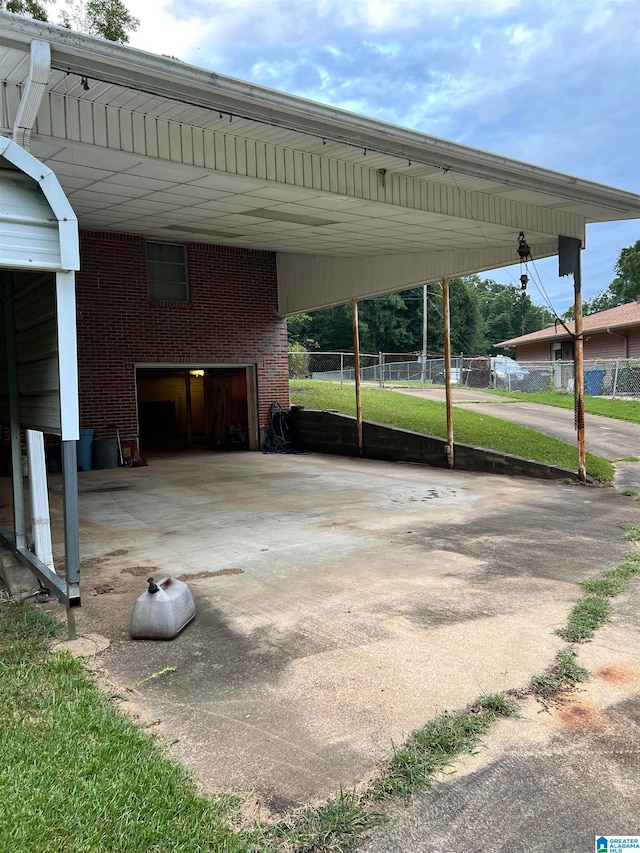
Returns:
point(32, 94)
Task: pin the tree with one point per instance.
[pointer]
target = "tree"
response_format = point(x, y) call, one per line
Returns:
point(624, 288)
point(109, 19)
point(28, 8)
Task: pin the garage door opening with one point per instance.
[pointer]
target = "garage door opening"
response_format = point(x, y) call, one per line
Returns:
point(210, 407)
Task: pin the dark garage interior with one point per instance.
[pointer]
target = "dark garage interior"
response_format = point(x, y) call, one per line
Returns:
point(180, 407)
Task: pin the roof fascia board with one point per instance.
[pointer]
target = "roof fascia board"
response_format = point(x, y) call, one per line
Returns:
point(157, 75)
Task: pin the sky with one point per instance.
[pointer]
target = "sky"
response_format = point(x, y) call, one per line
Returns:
point(550, 82)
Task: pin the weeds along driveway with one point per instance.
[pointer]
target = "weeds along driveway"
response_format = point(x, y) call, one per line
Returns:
point(604, 436)
point(340, 603)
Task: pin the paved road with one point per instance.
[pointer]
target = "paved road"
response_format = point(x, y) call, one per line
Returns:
point(604, 436)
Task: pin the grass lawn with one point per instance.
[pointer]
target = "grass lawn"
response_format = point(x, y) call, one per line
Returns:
point(76, 776)
point(621, 410)
point(429, 417)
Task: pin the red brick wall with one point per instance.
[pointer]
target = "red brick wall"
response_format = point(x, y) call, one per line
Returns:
point(231, 318)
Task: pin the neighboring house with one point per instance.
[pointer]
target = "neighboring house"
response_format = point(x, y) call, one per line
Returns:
point(210, 209)
point(614, 333)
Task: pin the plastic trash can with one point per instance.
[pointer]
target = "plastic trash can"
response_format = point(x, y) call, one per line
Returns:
point(105, 452)
point(84, 448)
point(593, 380)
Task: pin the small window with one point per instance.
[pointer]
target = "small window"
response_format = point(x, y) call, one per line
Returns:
point(167, 275)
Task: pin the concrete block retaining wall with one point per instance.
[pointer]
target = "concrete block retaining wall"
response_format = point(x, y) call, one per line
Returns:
point(331, 432)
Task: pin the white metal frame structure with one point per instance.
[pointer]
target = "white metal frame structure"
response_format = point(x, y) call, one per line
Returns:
point(39, 383)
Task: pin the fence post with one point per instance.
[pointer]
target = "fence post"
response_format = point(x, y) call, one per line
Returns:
point(341, 368)
point(381, 368)
point(614, 387)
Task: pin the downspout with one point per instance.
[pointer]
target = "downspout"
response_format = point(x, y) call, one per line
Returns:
point(32, 94)
point(625, 338)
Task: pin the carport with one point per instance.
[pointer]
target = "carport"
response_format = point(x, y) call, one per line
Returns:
point(38, 381)
point(347, 207)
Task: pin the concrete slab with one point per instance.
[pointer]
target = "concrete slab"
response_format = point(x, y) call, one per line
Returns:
point(557, 778)
point(340, 602)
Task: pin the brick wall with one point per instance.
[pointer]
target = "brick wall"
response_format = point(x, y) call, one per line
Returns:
point(231, 319)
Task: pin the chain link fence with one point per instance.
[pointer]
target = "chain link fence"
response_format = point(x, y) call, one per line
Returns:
point(602, 377)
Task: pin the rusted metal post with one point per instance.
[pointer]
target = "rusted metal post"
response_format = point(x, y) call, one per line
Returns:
point(578, 384)
point(356, 371)
point(447, 368)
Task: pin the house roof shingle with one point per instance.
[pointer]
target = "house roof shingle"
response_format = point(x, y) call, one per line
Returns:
point(613, 318)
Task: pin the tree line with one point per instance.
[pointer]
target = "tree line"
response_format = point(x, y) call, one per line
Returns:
point(482, 313)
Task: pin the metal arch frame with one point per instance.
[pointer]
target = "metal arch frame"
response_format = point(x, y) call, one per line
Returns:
point(67, 590)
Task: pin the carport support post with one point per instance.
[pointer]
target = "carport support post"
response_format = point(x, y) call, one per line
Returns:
point(569, 249)
point(447, 368)
point(578, 384)
point(356, 372)
point(71, 530)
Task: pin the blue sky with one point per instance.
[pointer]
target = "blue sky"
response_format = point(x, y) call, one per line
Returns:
point(550, 82)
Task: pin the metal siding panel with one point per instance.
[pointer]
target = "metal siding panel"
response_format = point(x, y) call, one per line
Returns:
point(43, 120)
point(85, 115)
point(100, 125)
point(29, 233)
point(126, 131)
point(186, 144)
point(38, 377)
point(289, 167)
point(175, 142)
point(151, 134)
point(58, 123)
point(316, 164)
point(230, 154)
point(113, 127)
point(280, 173)
point(139, 134)
point(73, 119)
point(261, 160)
point(220, 152)
point(333, 175)
point(198, 146)
point(209, 142)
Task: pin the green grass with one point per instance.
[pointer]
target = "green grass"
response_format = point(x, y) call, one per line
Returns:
point(429, 750)
point(429, 417)
point(621, 410)
point(564, 672)
point(76, 776)
point(594, 608)
point(631, 531)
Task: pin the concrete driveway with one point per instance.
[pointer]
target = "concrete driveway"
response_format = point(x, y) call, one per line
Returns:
point(604, 436)
point(340, 603)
